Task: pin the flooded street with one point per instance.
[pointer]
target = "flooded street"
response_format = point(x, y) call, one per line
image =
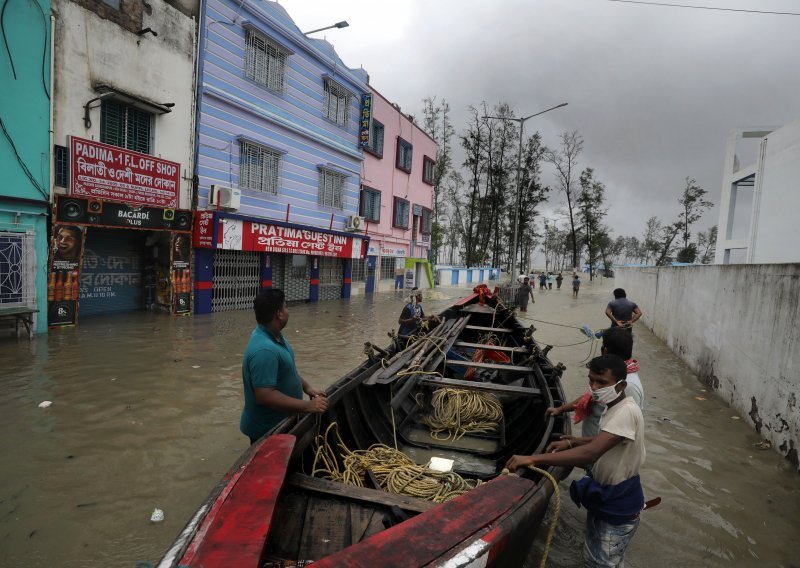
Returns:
point(145, 412)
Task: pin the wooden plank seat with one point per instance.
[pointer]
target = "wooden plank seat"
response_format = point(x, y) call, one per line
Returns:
point(20, 314)
point(492, 347)
point(493, 366)
point(328, 487)
point(489, 387)
point(492, 329)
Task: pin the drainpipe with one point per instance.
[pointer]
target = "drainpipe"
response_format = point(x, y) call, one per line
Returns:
point(52, 98)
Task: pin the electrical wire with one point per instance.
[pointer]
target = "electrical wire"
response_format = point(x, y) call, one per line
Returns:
point(5, 39)
point(706, 8)
point(22, 165)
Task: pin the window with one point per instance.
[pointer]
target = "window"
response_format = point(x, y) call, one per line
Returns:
point(427, 221)
point(264, 62)
point(330, 270)
point(359, 270)
point(404, 155)
point(370, 204)
point(258, 167)
point(428, 170)
point(299, 269)
point(125, 126)
point(331, 188)
point(61, 165)
point(388, 266)
point(400, 213)
point(376, 138)
point(337, 103)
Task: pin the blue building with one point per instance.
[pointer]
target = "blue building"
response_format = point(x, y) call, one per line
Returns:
point(25, 163)
point(278, 160)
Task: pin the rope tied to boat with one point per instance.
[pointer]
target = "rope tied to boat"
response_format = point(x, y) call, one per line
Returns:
point(457, 412)
point(551, 530)
point(394, 471)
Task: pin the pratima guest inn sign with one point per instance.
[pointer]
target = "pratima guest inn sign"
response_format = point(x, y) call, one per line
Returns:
point(106, 172)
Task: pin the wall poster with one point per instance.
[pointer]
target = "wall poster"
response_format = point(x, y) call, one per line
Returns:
point(63, 283)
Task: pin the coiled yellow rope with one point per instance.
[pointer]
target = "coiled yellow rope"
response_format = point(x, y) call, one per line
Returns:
point(394, 471)
point(457, 412)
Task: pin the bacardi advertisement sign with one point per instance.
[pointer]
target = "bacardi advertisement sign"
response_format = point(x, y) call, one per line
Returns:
point(263, 237)
point(107, 172)
point(63, 285)
point(181, 273)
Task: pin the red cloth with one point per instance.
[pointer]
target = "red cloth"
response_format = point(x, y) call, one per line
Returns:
point(633, 366)
point(584, 407)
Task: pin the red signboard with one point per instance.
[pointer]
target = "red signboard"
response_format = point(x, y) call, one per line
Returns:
point(203, 229)
point(273, 238)
point(107, 172)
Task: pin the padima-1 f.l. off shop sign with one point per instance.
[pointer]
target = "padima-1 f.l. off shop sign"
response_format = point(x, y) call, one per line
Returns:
point(106, 172)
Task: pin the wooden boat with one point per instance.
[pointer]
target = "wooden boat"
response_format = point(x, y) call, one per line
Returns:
point(268, 511)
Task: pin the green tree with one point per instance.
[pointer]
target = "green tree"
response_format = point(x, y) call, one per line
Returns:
point(590, 210)
point(436, 123)
point(565, 161)
point(693, 206)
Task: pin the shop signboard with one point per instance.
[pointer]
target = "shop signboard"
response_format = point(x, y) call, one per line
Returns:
point(263, 237)
point(365, 120)
point(107, 172)
point(203, 229)
point(386, 250)
point(63, 283)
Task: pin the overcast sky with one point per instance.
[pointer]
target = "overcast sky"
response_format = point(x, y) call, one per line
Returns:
point(653, 90)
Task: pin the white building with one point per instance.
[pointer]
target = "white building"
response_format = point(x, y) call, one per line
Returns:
point(760, 202)
point(125, 90)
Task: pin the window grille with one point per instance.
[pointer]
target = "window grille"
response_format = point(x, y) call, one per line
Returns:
point(370, 204)
point(125, 126)
point(427, 220)
point(376, 138)
point(388, 266)
point(61, 165)
point(259, 167)
point(404, 151)
point(299, 266)
point(237, 280)
point(265, 62)
point(359, 270)
point(400, 213)
point(337, 103)
point(428, 170)
point(331, 188)
point(330, 270)
point(17, 269)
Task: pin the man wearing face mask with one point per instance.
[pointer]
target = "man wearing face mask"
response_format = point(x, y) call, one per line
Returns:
point(612, 492)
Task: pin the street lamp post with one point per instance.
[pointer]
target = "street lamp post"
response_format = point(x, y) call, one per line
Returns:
point(521, 122)
point(341, 24)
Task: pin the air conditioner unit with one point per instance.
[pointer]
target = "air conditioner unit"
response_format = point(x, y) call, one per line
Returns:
point(225, 198)
point(355, 223)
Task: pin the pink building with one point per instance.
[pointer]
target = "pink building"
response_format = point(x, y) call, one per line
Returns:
point(396, 201)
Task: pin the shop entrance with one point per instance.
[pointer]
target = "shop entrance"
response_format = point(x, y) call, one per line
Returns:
point(237, 279)
point(112, 275)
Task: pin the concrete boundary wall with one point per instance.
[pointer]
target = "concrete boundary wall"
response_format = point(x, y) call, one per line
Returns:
point(738, 328)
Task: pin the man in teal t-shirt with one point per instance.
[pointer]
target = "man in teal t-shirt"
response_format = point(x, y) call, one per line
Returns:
point(273, 389)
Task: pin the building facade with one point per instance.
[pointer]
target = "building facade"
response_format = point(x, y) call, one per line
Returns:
point(278, 160)
point(123, 157)
point(396, 201)
point(25, 163)
point(757, 213)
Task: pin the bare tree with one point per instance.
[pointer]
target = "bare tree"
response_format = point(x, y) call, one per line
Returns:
point(707, 245)
point(565, 161)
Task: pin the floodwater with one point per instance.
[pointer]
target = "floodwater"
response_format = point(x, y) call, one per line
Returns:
point(145, 410)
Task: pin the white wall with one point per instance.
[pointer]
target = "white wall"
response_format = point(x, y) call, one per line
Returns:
point(91, 51)
point(737, 328)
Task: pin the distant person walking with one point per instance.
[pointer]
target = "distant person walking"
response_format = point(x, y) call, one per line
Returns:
point(542, 281)
point(525, 291)
point(550, 280)
point(559, 280)
point(621, 311)
point(576, 286)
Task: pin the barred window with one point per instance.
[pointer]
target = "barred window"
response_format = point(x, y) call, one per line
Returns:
point(265, 62)
point(259, 167)
point(428, 170)
point(61, 165)
point(370, 204)
point(400, 213)
point(337, 103)
point(359, 270)
point(404, 151)
point(125, 126)
point(427, 221)
point(376, 138)
point(330, 270)
point(331, 188)
point(388, 266)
